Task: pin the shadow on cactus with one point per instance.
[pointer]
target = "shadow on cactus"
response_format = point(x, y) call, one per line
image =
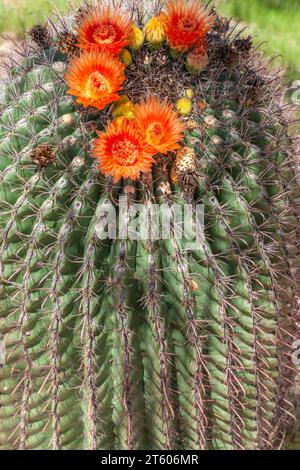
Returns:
point(122, 342)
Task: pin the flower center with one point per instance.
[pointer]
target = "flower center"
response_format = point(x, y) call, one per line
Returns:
point(96, 84)
point(187, 24)
point(105, 34)
point(154, 133)
point(125, 152)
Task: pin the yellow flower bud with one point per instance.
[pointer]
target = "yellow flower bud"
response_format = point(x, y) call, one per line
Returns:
point(124, 108)
point(189, 93)
point(184, 106)
point(126, 57)
point(136, 39)
point(154, 31)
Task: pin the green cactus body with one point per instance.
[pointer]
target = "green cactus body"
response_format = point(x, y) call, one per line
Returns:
point(131, 344)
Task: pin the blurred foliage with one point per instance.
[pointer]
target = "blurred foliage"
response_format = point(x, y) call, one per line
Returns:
point(16, 16)
point(273, 22)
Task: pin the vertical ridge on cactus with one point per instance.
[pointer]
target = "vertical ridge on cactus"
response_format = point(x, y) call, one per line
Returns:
point(123, 343)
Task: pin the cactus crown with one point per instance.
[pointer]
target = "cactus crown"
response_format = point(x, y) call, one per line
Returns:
point(113, 342)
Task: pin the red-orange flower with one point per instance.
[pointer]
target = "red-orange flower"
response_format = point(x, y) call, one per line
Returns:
point(160, 124)
point(95, 78)
point(122, 151)
point(186, 22)
point(105, 29)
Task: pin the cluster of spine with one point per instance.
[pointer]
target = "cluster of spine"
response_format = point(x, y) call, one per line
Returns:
point(129, 344)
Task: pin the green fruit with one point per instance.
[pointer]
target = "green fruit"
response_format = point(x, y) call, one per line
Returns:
point(131, 344)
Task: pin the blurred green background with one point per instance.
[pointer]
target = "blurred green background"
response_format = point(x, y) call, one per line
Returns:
point(274, 22)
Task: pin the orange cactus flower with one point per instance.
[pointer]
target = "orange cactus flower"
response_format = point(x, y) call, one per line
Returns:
point(95, 78)
point(122, 150)
point(186, 22)
point(105, 29)
point(160, 124)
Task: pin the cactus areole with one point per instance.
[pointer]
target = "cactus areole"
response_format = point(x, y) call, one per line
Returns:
point(111, 340)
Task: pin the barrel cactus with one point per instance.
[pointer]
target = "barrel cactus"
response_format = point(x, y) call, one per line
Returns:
point(121, 342)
